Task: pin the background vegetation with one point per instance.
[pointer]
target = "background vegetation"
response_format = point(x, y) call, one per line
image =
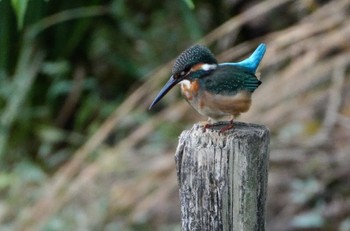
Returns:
point(80, 151)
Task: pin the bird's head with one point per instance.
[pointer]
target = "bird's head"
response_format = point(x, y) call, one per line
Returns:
point(193, 63)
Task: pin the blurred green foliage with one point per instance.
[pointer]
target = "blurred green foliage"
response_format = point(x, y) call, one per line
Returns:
point(20, 8)
point(65, 65)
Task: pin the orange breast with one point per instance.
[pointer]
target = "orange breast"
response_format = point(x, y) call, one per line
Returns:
point(216, 106)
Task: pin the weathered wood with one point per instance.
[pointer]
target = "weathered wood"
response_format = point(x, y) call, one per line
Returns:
point(223, 177)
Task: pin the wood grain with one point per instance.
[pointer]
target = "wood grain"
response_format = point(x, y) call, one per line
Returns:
point(223, 177)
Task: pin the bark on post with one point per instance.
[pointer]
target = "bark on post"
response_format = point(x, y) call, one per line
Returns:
point(223, 177)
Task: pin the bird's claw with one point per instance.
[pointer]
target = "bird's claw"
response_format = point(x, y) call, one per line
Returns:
point(206, 126)
point(227, 127)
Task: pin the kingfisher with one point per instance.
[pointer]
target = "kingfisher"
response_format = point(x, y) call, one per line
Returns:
point(213, 89)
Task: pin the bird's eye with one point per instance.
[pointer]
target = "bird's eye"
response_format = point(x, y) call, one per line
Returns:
point(184, 72)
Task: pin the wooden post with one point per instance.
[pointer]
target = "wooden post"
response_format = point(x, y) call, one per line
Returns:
point(223, 177)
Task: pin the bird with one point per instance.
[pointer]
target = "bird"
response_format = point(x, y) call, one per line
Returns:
point(213, 89)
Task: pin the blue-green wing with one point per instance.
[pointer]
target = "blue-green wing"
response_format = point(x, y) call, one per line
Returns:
point(228, 80)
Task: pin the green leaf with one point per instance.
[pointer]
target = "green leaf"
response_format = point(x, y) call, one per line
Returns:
point(20, 7)
point(189, 3)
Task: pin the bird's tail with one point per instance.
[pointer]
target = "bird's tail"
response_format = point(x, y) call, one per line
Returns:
point(253, 61)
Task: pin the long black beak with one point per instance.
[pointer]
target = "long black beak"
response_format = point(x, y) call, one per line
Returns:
point(167, 87)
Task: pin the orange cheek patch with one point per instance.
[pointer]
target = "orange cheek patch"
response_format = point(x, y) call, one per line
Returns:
point(197, 67)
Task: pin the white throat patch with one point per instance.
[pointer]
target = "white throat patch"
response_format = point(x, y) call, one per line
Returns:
point(186, 83)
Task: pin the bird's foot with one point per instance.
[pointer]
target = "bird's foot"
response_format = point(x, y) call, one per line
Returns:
point(227, 127)
point(206, 126)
